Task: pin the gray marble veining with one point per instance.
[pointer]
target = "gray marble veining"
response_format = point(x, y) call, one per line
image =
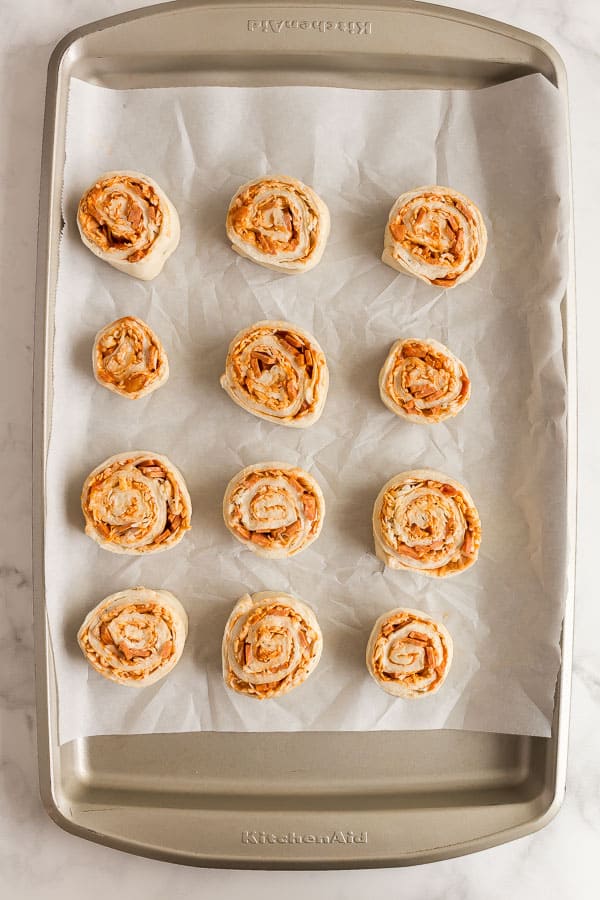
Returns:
point(38, 860)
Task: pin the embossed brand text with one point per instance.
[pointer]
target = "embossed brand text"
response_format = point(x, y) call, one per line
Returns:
point(294, 837)
point(276, 26)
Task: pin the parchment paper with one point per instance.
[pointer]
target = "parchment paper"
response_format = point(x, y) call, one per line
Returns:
point(505, 148)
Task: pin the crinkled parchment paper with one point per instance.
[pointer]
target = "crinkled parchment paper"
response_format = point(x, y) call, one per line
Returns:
point(504, 147)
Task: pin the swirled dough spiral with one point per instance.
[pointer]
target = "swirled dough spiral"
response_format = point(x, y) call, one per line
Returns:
point(278, 372)
point(274, 509)
point(272, 643)
point(136, 503)
point(408, 654)
point(126, 219)
point(426, 522)
point(421, 380)
point(436, 234)
point(135, 636)
point(279, 223)
point(129, 359)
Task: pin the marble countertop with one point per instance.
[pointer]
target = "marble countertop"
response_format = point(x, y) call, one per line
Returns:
point(38, 860)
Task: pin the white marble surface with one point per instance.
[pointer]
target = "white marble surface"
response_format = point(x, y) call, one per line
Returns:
point(37, 859)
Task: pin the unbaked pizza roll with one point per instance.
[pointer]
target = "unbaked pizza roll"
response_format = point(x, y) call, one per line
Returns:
point(279, 223)
point(274, 509)
point(136, 503)
point(272, 643)
point(129, 222)
point(134, 637)
point(129, 359)
point(426, 522)
point(421, 380)
point(278, 372)
point(436, 234)
point(408, 654)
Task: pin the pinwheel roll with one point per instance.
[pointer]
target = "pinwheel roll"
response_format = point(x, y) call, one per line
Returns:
point(273, 508)
point(426, 522)
point(279, 223)
point(129, 358)
point(272, 642)
point(435, 234)
point(408, 654)
point(136, 502)
point(134, 637)
point(127, 220)
point(423, 381)
point(277, 372)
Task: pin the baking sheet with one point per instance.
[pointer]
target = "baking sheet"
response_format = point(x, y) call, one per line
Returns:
point(504, 146)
